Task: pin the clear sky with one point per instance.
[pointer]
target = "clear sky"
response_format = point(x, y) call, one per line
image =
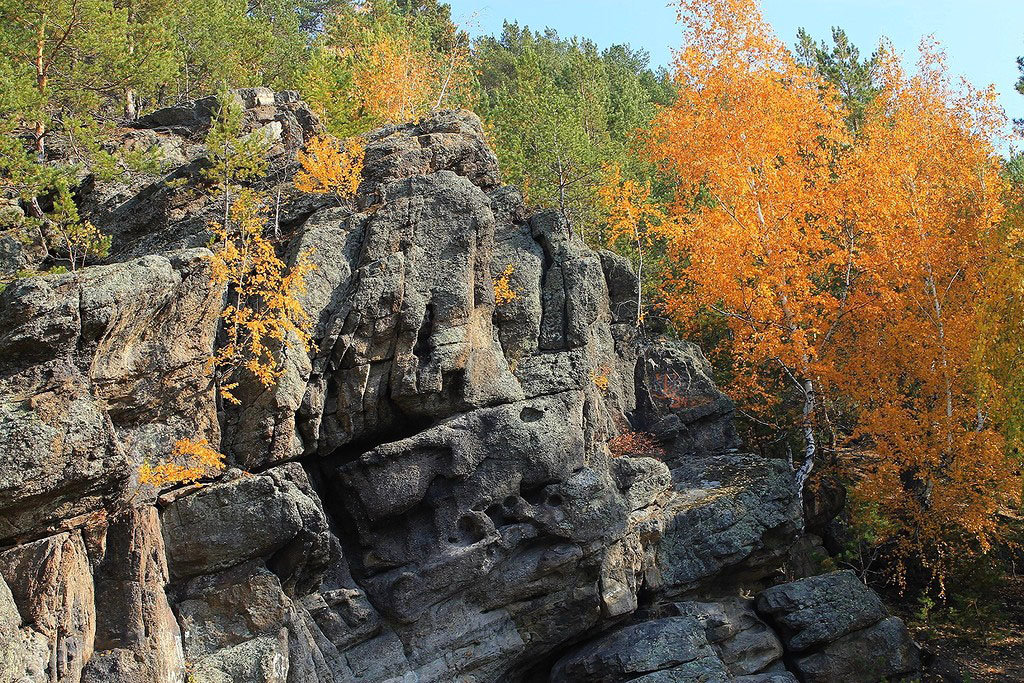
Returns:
point(982, 37)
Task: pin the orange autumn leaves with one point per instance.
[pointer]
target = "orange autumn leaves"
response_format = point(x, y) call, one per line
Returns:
point(758, 135)
point(329, 166)
point(633, 220)
point(850, 267)
point(928, 199)
point(395, 81)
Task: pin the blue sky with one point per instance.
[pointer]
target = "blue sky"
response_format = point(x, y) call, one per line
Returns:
point(982, 37)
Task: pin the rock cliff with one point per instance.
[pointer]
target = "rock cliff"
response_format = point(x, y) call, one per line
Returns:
point(439, 492)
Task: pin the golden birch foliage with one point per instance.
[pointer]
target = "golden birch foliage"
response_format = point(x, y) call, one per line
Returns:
point(379, 63)
point(928, 183)
point(395, 80)
point(757, 136)
point(265, 315)
point(880, 269)
point(632, 219)
point(628, 204)
point(329, 166)
point(503, 290)
point(190, 461)
point(999, 356)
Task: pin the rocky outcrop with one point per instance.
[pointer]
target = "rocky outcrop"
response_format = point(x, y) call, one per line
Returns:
point(429, 495)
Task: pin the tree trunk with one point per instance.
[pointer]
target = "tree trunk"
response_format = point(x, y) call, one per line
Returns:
point(41, 82)
point(131, 107)
point(807, 387)
point(810, 446)
point(639, 279)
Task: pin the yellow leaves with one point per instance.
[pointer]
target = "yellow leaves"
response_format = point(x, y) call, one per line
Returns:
point(368, 69)
point(864, 264)
point(756, 135)
point(266, 315)
point(330, 167)
point(396, 81)
point(190, 461)
point(600, 379)
point(631, 212)
point(503, 291)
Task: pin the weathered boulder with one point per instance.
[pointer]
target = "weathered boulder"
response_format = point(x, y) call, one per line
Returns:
point(836, 628)
point(745, 644)
point(723, 640)
point(448, 140)
point(675, 645)
point(817, 610)
point(732, 518)
point(876, 653)
point(275, 514)
point(677, 401)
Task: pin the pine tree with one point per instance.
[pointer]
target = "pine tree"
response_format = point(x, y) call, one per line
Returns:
point(560, 109)
point(841, 66)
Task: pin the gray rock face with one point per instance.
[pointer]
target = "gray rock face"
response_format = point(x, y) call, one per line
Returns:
point(99, 372)
point(676, 646)
point(275, 513)
point(430, 493)
point(878, 652)
point(677, 400)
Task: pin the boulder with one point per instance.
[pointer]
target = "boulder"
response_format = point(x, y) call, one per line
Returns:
point(876, 653)
point(820, 609)
point(731, 519)
point(272, 514)
point(836, 628)
point(745, 644)
point(446, 140)
point(675, 647)
point(677, 401)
